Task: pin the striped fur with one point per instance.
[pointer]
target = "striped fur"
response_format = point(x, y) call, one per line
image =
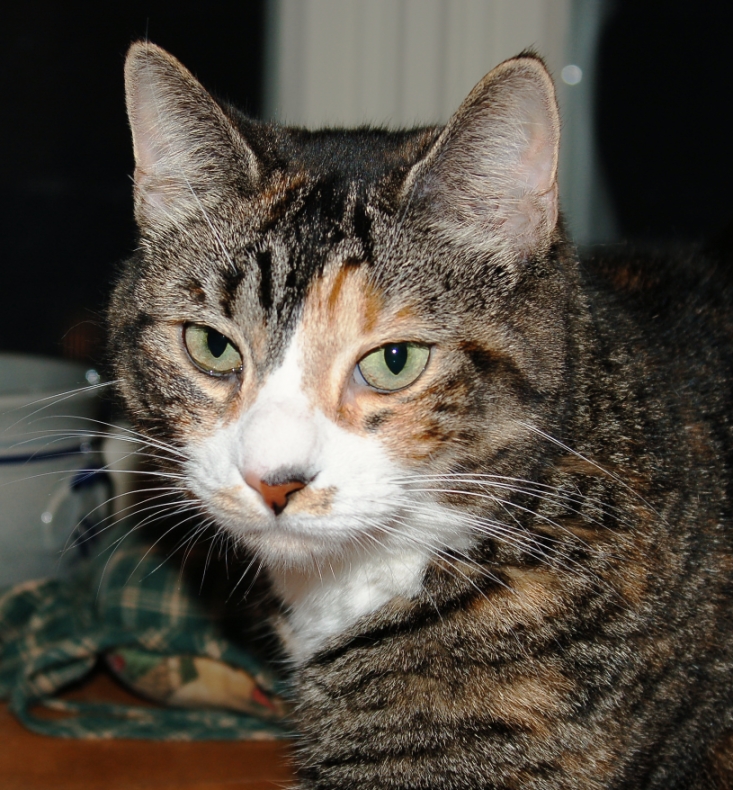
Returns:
point(514, 572)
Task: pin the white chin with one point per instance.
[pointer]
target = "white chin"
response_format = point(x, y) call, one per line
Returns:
point(282, 548)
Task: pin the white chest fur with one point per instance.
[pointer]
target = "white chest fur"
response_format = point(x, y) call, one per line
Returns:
point(322, 605)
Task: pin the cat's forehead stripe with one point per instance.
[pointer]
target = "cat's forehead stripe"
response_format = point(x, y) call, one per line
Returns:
point(264, 264)
point(231, 278)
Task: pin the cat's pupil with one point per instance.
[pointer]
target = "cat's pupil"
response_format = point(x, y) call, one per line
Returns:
point(396, 357)
point(217, 342)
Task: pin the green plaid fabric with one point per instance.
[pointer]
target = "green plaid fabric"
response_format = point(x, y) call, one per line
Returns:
point(131, 601)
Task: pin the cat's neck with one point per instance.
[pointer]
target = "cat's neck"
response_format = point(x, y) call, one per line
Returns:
point(319, 605)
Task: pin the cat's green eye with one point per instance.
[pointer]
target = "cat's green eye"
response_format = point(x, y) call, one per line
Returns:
point(394, 366)
point(211, 351)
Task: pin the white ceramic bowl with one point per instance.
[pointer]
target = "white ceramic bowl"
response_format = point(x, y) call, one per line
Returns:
point(52, 484)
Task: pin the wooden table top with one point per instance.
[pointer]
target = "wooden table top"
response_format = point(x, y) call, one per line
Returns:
point(36, 762)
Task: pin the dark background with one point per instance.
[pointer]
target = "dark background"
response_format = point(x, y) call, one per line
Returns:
point(664, 91)
point(663, 107)
point(66, 155)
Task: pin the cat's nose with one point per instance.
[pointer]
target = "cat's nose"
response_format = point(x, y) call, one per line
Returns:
point(276, 492)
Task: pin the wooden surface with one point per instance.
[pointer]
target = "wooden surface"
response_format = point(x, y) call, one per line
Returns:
point(36, 762)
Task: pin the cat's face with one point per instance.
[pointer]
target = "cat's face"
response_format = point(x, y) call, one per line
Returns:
point(327, 326)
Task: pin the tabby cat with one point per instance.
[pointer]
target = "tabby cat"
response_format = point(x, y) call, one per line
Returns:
point(490, 485)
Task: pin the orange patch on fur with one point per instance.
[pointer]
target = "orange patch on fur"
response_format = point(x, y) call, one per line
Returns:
point(313, 501)
point(339, 314)
point(533, 595)
point(576, 464)
point(344, 317)
point(531, 702)
point(272, 200)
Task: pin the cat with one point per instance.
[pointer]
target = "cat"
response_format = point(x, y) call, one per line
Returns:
point(490, 484)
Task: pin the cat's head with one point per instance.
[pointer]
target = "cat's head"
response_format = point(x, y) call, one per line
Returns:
point(321, 325)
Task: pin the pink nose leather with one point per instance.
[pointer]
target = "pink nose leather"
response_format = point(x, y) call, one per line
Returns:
point(275, 497)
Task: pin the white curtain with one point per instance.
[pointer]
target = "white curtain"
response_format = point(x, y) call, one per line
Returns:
point(405, 62)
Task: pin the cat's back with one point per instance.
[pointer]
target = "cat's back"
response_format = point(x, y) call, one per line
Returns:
point(671, 307)
point(664, 332)
point(664, 282)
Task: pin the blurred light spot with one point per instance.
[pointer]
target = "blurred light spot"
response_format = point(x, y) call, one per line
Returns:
point(46, 517)
point(93, 377)
point(571, 74)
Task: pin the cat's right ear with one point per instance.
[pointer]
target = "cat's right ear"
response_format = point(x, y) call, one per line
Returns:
point(187, 152)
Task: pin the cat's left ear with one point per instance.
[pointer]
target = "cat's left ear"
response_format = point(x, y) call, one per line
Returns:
point(490, 178)
point(187, 151)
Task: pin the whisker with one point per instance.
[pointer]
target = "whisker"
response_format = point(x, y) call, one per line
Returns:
point(116, 517)
point(243, 576)
point(506, 505)
point(529, 487)
point(590, 461)
point(177, 525)
point(51, 400)
point(521, 540)
point(130, 435)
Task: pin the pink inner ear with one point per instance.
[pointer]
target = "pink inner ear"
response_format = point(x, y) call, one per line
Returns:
point(540, 159)
point(147, 145)
point(527, 149)
point(536, 180)
point(492, 174)
point(153, 126)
